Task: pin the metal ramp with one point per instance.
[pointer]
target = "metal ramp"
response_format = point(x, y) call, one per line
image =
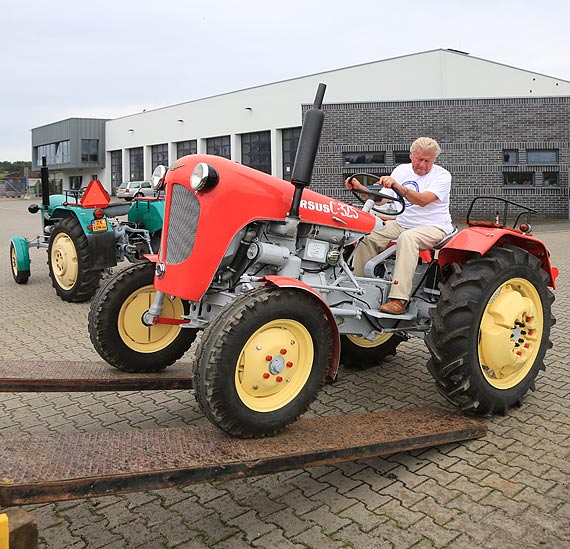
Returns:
point(64, 375)
point(68, 466)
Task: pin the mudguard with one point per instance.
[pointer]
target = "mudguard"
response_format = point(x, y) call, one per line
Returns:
point(481, 239)
point(22, 253)
point(148, 211)
point(287, 282)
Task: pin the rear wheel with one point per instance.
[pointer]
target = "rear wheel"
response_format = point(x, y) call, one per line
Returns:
point(359, 352)
point(491, 331)
point(20, 276)
point(118, 333)
point(262, 360)
point(68, 261)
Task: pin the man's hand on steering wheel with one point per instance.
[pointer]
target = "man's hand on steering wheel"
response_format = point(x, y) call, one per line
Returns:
point(375, 192)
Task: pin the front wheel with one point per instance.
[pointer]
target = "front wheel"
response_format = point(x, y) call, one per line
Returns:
point(491, 330)
point(262, 360)
point(68, 261)
point(118, 333)
point(20, 266)
point(361, 353)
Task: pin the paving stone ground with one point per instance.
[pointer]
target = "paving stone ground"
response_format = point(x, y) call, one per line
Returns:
point(510, 489)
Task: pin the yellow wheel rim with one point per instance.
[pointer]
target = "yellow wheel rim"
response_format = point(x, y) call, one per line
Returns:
point(14, 260)
point(380, 339)
point(510, 333)
point(138, 336)
point(274, 365)
point(64, 261)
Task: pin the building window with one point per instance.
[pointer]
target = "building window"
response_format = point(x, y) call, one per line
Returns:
point(89, 150)
point(510, 156)
point(55, 153)
point(184, 148)
point(116, 170)
point(365, 158)
point(136, 162)
point(518, 178)
point(550, 178)
point(401, 157)
point(256, 150)
point(289, 143)
point(220, 146)
point(541, 156)
point(75, 182)
point(159, 155)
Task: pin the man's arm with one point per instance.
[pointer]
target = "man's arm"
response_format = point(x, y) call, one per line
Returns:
point(415, 197)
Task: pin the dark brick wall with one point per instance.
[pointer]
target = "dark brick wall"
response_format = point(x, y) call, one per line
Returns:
point(472, 134)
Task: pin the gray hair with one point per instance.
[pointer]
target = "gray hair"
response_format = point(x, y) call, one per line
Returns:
point(426, 144)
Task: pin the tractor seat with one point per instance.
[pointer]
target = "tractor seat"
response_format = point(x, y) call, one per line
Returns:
point(446, 239)
point(117, 209)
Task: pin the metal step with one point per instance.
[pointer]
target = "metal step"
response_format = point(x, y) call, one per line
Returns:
point(66, 375)
point(78, 465)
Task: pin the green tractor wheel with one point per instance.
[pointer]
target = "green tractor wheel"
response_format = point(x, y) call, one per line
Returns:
point(68, 261)
point(20, 261)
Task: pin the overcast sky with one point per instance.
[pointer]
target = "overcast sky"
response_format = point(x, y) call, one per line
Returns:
point(110, 58)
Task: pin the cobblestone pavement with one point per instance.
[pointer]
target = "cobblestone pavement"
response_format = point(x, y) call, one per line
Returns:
point(510, 489)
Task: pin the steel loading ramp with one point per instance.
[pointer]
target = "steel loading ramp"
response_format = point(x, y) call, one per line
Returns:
point(67, 375)
point(69, 466)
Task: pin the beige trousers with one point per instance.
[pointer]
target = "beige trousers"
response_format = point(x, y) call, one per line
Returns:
point(410, 242)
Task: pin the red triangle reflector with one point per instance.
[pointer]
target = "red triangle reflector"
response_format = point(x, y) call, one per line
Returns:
point(95, 196)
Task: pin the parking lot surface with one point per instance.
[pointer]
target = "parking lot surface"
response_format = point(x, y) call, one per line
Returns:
point(510, 489)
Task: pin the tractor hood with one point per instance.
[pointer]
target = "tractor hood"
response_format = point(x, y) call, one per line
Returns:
point(199, 226)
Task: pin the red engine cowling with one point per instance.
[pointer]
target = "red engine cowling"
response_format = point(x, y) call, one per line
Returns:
point(198, 227)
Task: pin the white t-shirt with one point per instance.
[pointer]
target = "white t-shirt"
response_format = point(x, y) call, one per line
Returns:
point(436, 181)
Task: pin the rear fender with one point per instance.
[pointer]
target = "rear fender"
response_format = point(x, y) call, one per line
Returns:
point(22, 250)
point(479, 240)
point(286, 282)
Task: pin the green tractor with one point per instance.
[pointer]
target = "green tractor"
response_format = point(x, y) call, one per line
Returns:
point(84, 236)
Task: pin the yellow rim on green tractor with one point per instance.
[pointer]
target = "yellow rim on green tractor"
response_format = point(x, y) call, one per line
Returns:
point(274, 365)
point(14, 260)
point(64, 261)
point(510, 333)
point(380, 339)
point(138, 336)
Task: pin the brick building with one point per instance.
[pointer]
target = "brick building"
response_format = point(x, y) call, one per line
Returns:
point(514, 148)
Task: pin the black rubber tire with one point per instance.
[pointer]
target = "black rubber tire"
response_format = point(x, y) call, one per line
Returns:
point(224, 340)
point(86, 281)
point(20, 277)
point(353, 355)
point(454, 339)
point(104, 325)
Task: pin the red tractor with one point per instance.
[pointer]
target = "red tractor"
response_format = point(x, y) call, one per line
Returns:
point(262, 269)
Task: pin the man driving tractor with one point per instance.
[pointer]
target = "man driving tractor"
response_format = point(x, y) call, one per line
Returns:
point(426, 220)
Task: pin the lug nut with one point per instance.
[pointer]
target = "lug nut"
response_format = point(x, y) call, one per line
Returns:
point(279, 379)
point(283, 351)
point(266, 375)
point(269, 358)
point(289, 364)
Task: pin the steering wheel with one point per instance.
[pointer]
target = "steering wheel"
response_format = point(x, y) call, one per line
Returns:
point(376, 193)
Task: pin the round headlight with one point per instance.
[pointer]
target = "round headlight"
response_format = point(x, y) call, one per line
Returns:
point(203, 177)
point(157, 178)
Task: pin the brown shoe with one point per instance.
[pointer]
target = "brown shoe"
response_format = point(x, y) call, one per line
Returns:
point(394, 307)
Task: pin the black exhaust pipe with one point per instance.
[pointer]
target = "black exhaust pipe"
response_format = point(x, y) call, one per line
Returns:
point(44, 172)
point(307, 150)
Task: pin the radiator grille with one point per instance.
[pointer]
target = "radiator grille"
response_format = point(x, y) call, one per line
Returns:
point(182, 224)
